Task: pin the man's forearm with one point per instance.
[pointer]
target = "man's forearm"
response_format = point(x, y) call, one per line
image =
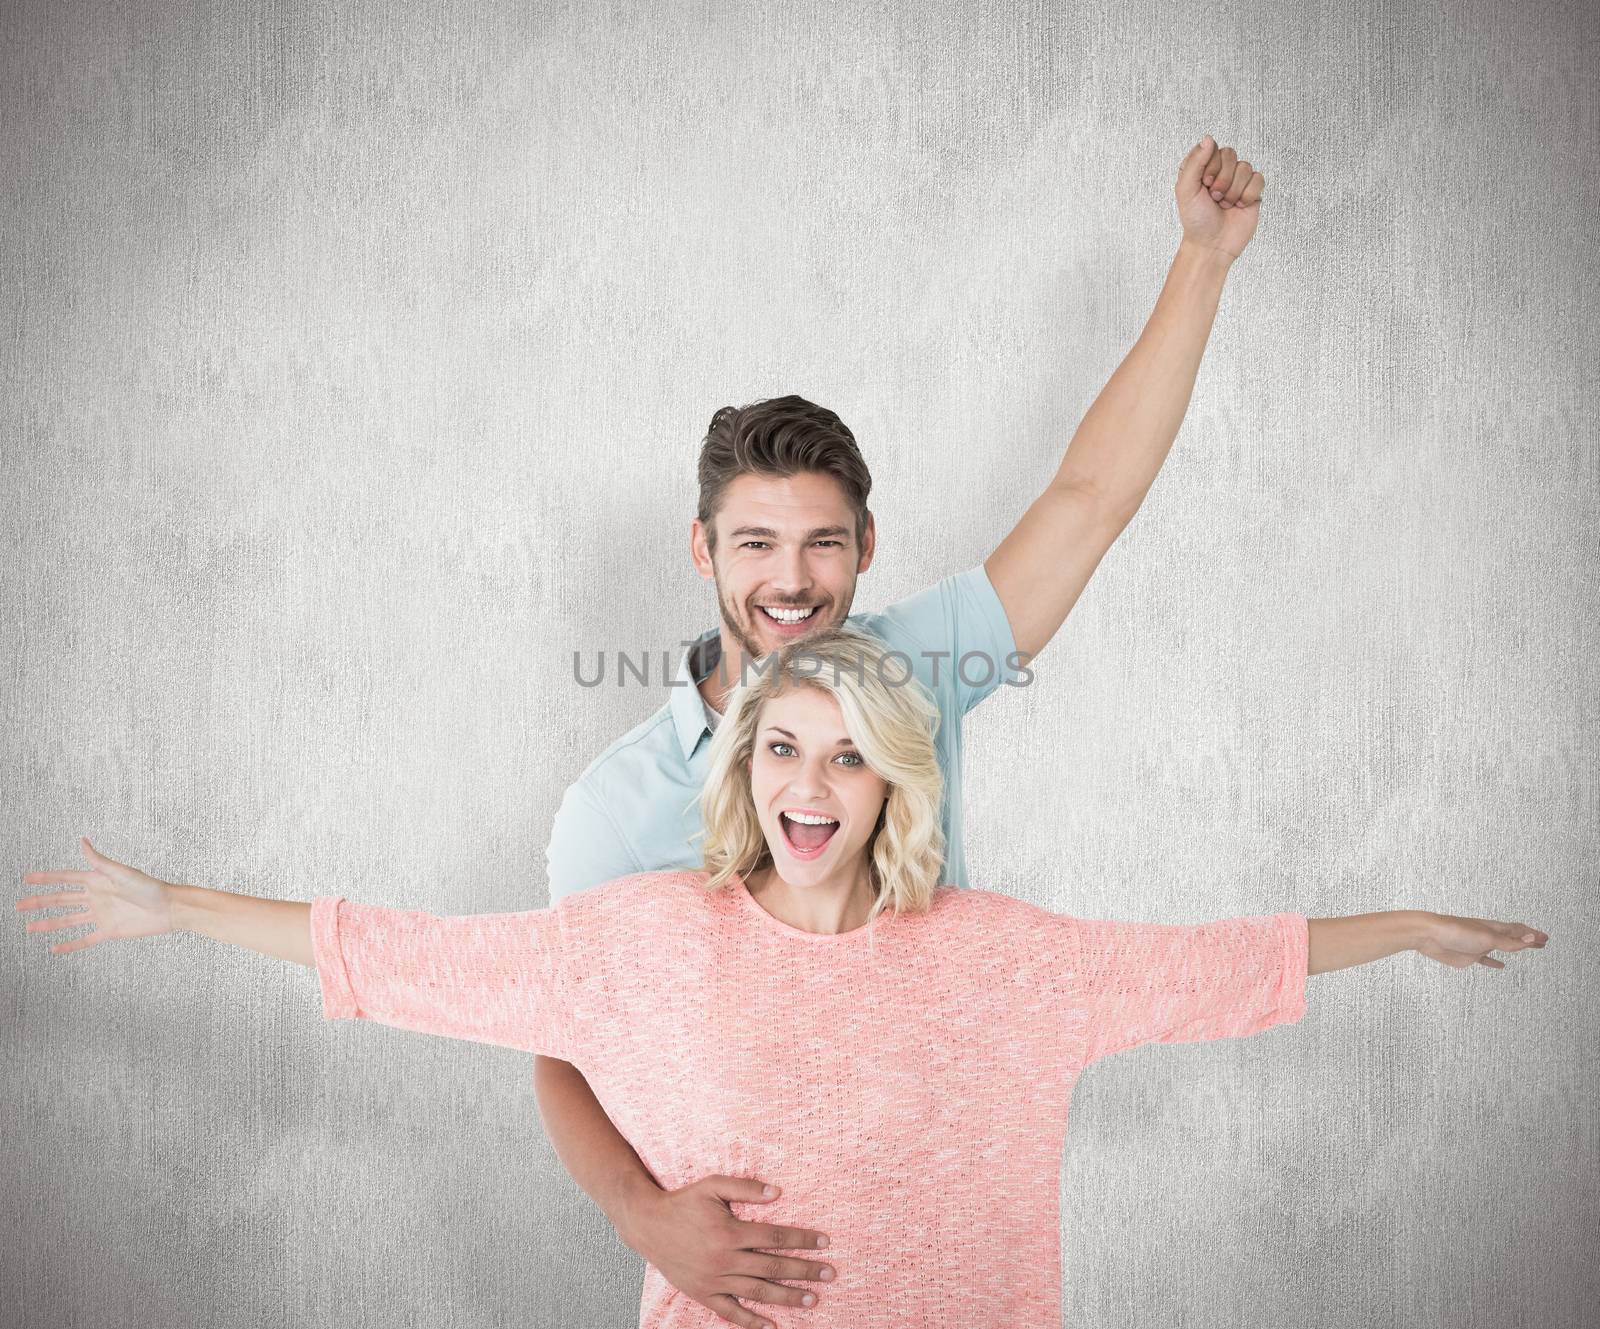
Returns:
point(589, 1146)
point(279, 928)
point(1122, 441)
point(1338, 943)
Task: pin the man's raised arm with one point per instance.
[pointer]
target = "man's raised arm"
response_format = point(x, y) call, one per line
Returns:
point(1040, 569)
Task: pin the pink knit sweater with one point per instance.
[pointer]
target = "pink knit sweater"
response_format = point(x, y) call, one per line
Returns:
point(908, 1088)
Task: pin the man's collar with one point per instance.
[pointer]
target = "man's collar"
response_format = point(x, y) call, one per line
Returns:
point(688, 709)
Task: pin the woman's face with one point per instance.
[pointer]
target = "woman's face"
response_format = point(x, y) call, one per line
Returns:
point(805, 763)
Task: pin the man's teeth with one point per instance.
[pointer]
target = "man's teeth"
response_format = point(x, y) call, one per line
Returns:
point(811, 821)
point(788, 615)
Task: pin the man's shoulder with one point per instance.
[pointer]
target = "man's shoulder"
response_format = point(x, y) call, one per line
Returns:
point(930, 612)
point(955, 634)
point(650, 747)
point(907, 622)
point(623, 812)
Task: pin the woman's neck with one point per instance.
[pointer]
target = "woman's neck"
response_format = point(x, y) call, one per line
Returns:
point(840, 904)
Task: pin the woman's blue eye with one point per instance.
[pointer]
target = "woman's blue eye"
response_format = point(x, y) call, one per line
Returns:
point(858, 759)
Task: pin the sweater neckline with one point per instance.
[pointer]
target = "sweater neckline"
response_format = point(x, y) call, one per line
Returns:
point(776, 924)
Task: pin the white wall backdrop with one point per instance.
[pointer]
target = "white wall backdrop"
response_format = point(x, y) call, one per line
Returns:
point(355, 361)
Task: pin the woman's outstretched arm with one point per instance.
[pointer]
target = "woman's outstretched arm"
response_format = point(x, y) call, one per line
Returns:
point(279, 928)
point(119, 902)
point(1339, 943)
point(1181, 983)
point(485, 978)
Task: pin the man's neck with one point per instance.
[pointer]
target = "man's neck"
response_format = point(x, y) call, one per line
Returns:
point(716, 686)
point(711, 693)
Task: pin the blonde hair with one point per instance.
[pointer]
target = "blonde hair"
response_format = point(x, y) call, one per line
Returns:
point(890, 718)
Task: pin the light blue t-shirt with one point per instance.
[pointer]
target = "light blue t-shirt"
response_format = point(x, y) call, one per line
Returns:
point(636, 809)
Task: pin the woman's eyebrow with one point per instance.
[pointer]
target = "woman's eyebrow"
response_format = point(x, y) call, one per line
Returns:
point(838, 743)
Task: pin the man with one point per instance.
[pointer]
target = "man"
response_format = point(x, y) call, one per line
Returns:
point(783, 531)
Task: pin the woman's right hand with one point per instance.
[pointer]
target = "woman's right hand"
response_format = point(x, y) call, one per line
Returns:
point(692, 1237)
point(120, 901)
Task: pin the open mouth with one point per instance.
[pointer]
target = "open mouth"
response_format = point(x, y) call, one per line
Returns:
point(787, 619)
point(806, 839)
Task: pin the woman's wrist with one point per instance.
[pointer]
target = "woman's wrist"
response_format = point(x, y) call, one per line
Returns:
point(1339, 943)
point(1421, 926)
point(182, 906)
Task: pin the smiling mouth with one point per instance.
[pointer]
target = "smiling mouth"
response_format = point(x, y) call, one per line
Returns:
point(805, 840)
point(788, 616)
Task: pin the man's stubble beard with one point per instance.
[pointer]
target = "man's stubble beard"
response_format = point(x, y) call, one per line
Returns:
point(742, 633)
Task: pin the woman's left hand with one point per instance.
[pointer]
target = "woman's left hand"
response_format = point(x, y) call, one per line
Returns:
point(1459, 942)
point(1219, 198)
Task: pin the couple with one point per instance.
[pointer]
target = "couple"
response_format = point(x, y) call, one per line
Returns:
point(771, 1033)
point(928, 1038)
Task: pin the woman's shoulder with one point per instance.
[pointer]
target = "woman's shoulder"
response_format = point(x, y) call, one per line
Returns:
point(622, 922)
point(970, 906)
point(985, 901)
point(642, 894)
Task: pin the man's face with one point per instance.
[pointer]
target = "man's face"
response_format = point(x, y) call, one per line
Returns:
point(804, 763)
point(786, 561)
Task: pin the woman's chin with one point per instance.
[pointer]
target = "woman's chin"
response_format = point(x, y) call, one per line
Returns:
point(808, 871)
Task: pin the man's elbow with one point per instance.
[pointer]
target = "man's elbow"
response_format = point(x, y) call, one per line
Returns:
point(555, 1082)
point(1092, 505)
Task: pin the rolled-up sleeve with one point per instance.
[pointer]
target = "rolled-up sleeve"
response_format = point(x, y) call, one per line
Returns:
point(1185, 983)
point(485, 978)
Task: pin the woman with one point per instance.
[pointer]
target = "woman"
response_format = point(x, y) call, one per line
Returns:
point(813, 1005)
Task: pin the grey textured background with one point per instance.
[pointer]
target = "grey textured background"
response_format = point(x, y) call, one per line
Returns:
point(355, 361)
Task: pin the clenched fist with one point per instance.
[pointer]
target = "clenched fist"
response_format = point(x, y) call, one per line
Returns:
point(1219, 198)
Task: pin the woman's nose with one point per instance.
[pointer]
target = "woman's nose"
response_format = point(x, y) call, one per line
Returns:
point(809, 785)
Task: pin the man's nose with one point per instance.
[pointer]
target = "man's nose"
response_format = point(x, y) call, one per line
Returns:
point(791, 576)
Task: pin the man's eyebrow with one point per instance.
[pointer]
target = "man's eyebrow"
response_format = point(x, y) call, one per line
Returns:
point(773, 729)
point(767, 533)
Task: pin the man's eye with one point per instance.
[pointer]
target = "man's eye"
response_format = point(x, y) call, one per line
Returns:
point(834, 543)
point(751, 544)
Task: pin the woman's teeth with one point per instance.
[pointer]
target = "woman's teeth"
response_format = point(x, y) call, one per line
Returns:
point(788, 615)
point(807, 843)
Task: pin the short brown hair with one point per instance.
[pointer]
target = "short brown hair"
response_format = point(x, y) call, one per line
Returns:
point(779, 437)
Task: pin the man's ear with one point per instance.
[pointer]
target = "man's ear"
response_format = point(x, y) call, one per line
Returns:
point(869, 544)
point(700, 551)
